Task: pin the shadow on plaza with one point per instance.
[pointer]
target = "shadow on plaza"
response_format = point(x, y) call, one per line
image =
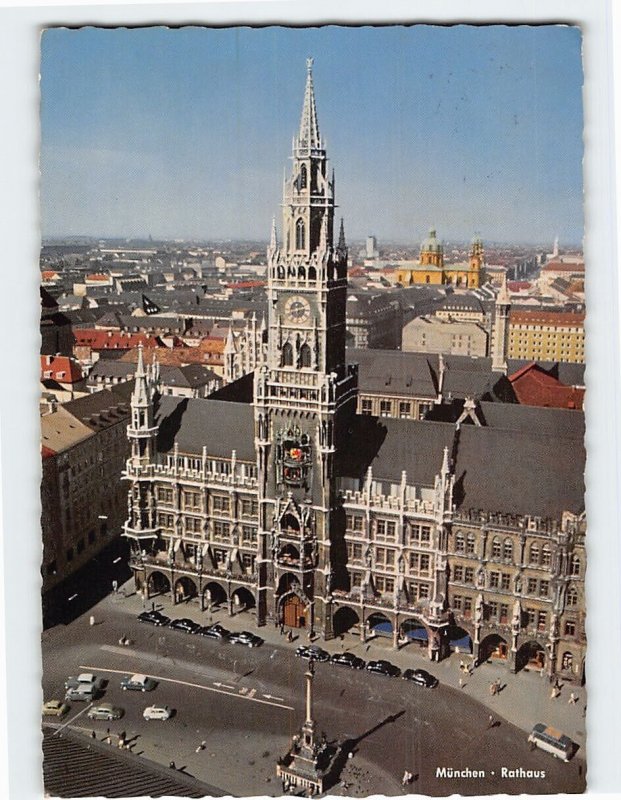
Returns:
point(350, 746)
point(83, 590)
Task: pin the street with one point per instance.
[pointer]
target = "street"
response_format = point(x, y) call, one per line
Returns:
point(245, 705)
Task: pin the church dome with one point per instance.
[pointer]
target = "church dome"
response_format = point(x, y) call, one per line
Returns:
point(431, 243)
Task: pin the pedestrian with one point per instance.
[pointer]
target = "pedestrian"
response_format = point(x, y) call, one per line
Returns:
point(172, 765)
point(282, 628)
point(404, 779)
point(461, 683)
point(91, 620)
point(115, 586)
point(498, 685)
point(554, 694)
point(557, 685)
point(492, 688)
point(152, 605)
point(93, 735)
point(572, 699)
point(461, 665)
point(491, 721)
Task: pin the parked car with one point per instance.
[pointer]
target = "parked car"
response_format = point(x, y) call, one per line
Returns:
point(308, 651)
point(185, 625)
point(420, 677)
point(246, 638)
point(347, 660)
point(54, 708)
point(86, 681)
point(83, 694)
point(215, 631)
point(154, 618)
point(138, 683)
point(157, 712)
point(384, 668)
point(104, 711)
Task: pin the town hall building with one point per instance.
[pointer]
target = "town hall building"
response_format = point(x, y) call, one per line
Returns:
point(276, 498)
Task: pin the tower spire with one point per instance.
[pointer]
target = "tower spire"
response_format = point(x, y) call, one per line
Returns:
point(309, 127)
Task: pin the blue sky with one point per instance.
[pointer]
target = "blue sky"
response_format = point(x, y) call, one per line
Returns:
point(184, 133)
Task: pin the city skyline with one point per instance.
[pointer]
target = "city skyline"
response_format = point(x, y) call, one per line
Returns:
point(165, 132)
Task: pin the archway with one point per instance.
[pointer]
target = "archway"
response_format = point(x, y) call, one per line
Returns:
point(459, 640)
point(414, 632)
point(294, 611)
point(243, 599)
point(531, 655)
point(344, 619)
point(286, 582)
point(379, 625)
point(185, 589)
point(290, 524)
point(213, 595)
point(493, 646)
point(158, 583)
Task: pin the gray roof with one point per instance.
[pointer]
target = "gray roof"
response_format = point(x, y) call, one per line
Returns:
point(531, 463)
point(219, 425)
point(102, 409)
point(389, 372)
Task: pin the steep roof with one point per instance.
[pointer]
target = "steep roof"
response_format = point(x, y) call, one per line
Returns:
point(526, 461)
point(393, 372)
point(60, 368)
point(219, 425)
point(534, 386)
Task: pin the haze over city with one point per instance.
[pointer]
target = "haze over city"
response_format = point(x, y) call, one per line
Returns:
point(179, 134)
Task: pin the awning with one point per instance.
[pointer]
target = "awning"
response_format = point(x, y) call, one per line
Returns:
point(464, 644)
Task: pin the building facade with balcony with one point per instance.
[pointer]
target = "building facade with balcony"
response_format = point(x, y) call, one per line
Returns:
point(313, 516)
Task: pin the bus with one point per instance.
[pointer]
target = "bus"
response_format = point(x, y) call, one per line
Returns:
point(551, 740)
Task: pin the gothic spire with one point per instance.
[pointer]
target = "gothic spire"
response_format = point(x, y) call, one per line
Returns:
point(273, 237)
point(309, 127)
point(140, 394)
point(342, 244)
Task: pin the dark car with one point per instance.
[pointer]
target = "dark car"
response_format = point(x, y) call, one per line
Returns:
point(215, 631)
point(384, 668)
point(313, 651)
point(347, 660)
point(420, 677)
point(185, 625)
point(154, 618)
point(245, 637)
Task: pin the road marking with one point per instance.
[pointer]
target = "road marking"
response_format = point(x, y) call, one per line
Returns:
point(69, 721)
point(272, 697)
point(223, 685)
point(193, 685)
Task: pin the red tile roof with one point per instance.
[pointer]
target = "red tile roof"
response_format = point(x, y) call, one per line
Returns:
point(97, 276)
point(99, 339)
point(558, 318)
point(60, 368)
point(516, 286)
point(563, 266)
point(49, 275)
point(246, 285)
point(533, 386)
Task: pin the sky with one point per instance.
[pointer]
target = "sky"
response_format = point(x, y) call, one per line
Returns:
point(184, 133)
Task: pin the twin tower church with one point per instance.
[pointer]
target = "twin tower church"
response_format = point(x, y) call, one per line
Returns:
point(274, 499)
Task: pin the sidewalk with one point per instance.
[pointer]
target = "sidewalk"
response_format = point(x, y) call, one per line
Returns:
point(523, 701)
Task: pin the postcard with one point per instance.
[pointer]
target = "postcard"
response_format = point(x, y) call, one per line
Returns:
point(312, 379)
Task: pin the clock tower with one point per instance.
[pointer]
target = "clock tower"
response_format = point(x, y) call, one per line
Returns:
point(304, 391)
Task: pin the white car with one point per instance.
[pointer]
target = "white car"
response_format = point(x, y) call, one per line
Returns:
point(157, 712)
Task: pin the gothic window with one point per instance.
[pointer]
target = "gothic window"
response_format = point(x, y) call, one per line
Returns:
point(575, 566)
point(546, 556)
point(303, 177)
point(534, 554)
point(302, 273)
point(470, 541)
point(508, 550)
point(572, 596)
point(305, 356)
point(459, 543)
point(280, 272)
point(300, 235)
point(289, 523)
point(312, 274)
point(287, 355)
point(496, 548)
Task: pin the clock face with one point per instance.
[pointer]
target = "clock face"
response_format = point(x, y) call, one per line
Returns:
point(297, 310)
